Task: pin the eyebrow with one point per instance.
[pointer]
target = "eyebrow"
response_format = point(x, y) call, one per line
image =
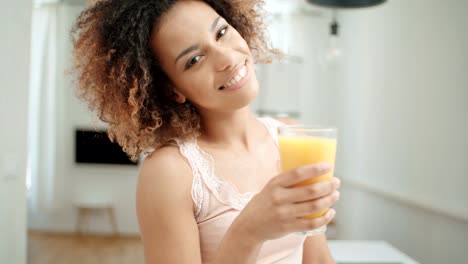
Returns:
point(196, 46)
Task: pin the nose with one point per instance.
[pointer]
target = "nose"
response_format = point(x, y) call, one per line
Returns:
point(225, 58)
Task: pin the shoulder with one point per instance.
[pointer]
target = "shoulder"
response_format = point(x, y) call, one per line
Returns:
point(164, 160)
point(164, 174)
point(165, 208)
point(274, 124)
point(281, 121)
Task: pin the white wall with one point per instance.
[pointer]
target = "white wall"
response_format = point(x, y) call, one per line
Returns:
point(402, 115)
point(300, 84)
point(100, 181)
point(15, 19)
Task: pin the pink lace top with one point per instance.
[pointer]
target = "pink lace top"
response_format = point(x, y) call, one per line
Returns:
point(218, 202)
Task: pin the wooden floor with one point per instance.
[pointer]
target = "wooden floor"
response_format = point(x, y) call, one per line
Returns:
point(50, 248)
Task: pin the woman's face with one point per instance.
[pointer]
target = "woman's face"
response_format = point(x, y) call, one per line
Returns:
point(207, 60)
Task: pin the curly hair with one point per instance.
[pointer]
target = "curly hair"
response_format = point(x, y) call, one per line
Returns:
point(121, 80)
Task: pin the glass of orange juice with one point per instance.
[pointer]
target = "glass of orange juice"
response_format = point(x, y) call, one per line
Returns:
point(305, 144)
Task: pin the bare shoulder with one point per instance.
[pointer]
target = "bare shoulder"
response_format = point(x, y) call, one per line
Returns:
point(286, 121)
point(166, 157)
point(165, 208)
point(163, 167)
point(164, 176)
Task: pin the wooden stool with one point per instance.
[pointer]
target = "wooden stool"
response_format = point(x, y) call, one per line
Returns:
point(87, 207)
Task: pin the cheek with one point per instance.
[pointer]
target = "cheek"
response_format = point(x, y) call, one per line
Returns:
point(195, 86)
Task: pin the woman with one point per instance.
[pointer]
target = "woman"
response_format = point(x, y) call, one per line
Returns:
point(175, 79)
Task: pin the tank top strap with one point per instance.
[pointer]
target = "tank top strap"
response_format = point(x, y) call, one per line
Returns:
point(189, 151)
point(272, 126)
point(206, 182)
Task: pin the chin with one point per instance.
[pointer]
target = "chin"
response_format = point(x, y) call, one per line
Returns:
point(246, 98)
point(254, 90)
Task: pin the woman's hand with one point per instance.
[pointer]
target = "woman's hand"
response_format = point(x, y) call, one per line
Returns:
point(279, 208)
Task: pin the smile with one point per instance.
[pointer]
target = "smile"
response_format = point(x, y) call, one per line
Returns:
point(238, 80)
point(241, 74)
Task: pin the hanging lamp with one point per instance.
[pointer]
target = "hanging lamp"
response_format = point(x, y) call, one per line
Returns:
point(346, 3)
point(333, 51)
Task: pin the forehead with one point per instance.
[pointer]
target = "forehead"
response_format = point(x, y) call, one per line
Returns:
point(184, 25)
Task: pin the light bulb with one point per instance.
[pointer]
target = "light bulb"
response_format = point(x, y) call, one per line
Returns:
point(333, 52)
point(330, 57)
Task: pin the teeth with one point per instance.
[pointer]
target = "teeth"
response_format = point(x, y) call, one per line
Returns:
point(241, 74)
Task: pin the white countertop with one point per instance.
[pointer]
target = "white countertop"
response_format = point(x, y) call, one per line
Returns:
point(367, 252)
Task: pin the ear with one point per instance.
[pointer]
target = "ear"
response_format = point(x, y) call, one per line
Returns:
point(180, 98)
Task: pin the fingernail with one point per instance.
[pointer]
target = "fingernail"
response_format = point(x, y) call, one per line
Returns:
point(337, 195)
point(331, 213)
point(336, 182)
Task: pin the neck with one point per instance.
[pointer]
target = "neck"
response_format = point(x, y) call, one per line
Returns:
point(230, 129)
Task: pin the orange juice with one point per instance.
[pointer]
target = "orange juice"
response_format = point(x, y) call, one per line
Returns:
point(299, 150)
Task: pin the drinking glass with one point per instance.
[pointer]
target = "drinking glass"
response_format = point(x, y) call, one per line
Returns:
point(307, 144)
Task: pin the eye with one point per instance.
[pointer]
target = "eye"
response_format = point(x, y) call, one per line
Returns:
point(192, 61)
point(197, 58)
point(221, 32)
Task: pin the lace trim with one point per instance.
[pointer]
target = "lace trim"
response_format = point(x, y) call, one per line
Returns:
point(202, 164)
point(272, 126)
point(199, 196)
point(224, 191)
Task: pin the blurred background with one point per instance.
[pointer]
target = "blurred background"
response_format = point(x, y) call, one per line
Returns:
point(393, 79)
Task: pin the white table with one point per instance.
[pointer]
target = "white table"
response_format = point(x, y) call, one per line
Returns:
point(367, 252)
point(87, 206)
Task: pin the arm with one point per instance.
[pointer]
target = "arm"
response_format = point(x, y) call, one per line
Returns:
point(165, 213)
point(316, 251)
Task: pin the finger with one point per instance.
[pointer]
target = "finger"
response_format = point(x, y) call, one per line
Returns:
point(310, 191)
point(302, 173)
point(314, 206)
point(304, 224)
